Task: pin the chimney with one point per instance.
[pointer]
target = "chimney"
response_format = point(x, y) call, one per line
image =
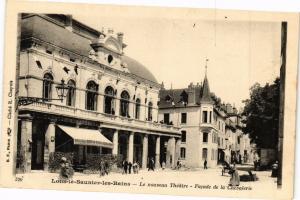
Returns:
point(191, 85)
point(162, 87)
point(191, 91)
point(69, 22)
point(120, 37)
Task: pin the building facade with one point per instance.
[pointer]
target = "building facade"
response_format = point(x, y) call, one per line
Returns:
point(211, 131)
point(111, 104)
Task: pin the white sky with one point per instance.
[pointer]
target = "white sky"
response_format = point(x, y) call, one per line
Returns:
point(174, 50)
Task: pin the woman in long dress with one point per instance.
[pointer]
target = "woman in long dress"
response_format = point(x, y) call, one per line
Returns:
point(235, 178)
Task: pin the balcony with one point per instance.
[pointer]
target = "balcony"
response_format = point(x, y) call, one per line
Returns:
point(108, 120)
point(209, 125)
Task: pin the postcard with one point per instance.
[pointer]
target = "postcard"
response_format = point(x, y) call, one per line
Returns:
point(149, 100)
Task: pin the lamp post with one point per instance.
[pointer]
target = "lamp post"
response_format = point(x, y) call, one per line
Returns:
point(61, 89)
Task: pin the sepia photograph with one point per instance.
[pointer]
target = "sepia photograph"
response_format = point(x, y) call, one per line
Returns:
point(177, 101)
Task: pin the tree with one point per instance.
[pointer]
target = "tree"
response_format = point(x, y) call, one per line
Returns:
point(261, 113)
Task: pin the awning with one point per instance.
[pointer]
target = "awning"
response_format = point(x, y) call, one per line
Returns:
point(82, 136)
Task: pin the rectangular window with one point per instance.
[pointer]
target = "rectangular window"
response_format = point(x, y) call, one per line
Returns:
point(166, 118)
point(204, 153)
point(183, 136)
point(205, 137)
point(204, 117)
point(210, 116)
point(182, 153)
point(183, 118)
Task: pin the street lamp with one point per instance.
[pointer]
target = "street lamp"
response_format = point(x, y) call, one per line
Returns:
point(61, 89)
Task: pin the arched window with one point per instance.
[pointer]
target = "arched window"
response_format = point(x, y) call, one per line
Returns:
point(47, 87)
point(150, 107)
point(137, 108)
point(124, 104)
point(205, 137)
point(71, 93)
point(109, 97)
point(91, 95)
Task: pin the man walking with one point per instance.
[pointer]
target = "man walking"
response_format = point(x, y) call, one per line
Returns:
point(151, 164)
point(205, 164)
point(129, 167)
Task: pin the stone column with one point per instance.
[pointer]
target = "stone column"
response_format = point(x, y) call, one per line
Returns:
point(117, 106)
point(170, 162)
point(100, 103)
point(26, 142)
point(157, 152)
point(115, 142)
point(145, 151)
point(177, 149)
point(49, 143)
point(130, 147)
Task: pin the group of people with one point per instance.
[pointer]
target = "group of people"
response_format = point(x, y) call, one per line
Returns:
point(128, 166)
point(66, 170)
point(104, 168)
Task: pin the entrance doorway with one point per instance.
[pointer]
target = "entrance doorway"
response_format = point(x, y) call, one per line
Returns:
point(138, 149)
point(38, 144)
point(151, 147)
point(123, 143)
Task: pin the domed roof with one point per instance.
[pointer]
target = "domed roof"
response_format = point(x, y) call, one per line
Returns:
point(138, 69)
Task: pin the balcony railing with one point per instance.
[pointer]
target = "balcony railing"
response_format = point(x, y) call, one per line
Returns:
point(51, 108)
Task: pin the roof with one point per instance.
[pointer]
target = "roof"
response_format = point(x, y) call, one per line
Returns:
point(175, 96)
point(39, 27)
point(196, 94)
point(82, 136)
point(205, 94)
point(138, 69)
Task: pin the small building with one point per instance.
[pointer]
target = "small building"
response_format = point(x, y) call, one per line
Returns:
point(210, 130)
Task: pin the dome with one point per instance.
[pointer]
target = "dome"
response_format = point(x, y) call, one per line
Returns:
point(138, 69)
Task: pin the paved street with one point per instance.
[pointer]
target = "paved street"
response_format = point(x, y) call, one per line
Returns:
point(184, 178)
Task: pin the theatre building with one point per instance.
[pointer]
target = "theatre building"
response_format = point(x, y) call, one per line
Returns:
point(111, 102)
point(210, 129)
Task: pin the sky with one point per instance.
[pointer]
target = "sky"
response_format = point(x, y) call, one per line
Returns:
point(174, 49)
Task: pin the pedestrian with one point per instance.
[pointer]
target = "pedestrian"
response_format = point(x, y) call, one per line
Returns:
point(163, 165)
point(66, 170)
point(205, 164)
point(135, 168)
point(106, 167)
point(151, 164)
point(256, 161)
point(125, 166)
point(235, 178)
point(129, 167)
point(275, 169)
point(102, 168)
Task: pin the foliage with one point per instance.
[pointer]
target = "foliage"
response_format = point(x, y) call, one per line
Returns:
point(21, 162)
point(261, 113)
point(93, 161)
point(55, 160)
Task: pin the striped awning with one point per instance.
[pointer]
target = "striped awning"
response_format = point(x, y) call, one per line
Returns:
point(89, 137)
